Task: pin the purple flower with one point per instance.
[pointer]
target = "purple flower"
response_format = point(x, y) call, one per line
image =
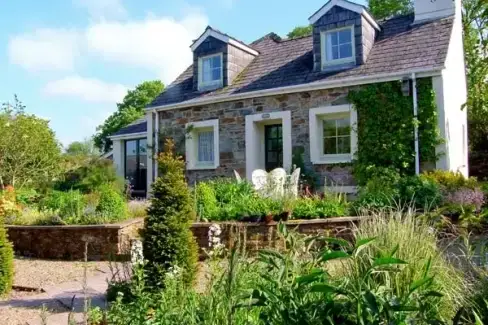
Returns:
point(466, 196)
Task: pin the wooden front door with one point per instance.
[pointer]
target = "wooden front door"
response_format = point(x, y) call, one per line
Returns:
point(273, 146)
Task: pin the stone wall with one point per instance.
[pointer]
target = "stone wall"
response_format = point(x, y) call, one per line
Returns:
point(255, 236)
point(232, 144)
point(68, 242)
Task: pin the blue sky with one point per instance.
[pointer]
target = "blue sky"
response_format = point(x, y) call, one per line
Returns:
point(70, 61)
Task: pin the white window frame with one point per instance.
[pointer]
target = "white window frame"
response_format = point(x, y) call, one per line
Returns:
point(323, 44)
point(215, 83)
point(316, 118)
point(191, 144)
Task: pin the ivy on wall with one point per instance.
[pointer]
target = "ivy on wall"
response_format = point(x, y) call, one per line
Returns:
point(386, 127)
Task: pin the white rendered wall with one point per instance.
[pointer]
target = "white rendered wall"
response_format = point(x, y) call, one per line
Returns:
point(451, 95)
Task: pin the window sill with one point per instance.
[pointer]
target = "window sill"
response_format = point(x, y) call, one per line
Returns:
point(341, 159)
point(202, 167)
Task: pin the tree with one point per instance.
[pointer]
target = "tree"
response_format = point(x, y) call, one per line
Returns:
point(475, 27)
point(381, 9)
point(131, 109)
point(167, 239)
point(29, 151)
point(300, 31)
point(82, 148)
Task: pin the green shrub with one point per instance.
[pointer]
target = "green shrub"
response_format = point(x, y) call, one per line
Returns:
point(6, 262)
point(451, 181)
point(88, 174)
point(207, 205)
point(111, 203)
point(317, 207)
point(167, 238)
point(27, 196)
point(422, 193)
point(229, 191)
point(70, 204)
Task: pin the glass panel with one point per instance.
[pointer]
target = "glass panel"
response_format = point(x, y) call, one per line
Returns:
point(216, 61)
point(330, 146)
point(344, 145)
point(216, 74)
point(344, 36)
point(333, 38)
point(206, 146)
point(346, 51)
point(272, 157)
point(131, 160)
point(329, 128)
point(344, 126)
point(142, 153)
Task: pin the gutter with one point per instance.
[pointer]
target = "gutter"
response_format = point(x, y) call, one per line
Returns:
point(326, 84)
point(416, 127)
point(128, 136)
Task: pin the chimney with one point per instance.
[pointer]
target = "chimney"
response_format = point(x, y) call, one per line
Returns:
point(426, 10)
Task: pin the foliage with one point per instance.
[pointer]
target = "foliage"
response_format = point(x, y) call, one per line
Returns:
point(451, 181)
point(6, 262)
point(167, 238)
point(131, 109)
point(27, 196)
point(207, 205)
point(475, 28)
point(381, 9)
point(300, 31)
point(317, 207)
point(111, 204)
point(398, 276)
point(8, 204)
point(82, 148)
point(386, 125)
point(86, 174)
point(421, 193)
point(70, 204)
point(137, 208)
point(28, 147)
point(466, 196)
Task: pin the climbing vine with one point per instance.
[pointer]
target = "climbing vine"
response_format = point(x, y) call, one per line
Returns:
point(386, 127)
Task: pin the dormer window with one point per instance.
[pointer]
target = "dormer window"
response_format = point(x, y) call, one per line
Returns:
point(338, 47)
point(210, 72)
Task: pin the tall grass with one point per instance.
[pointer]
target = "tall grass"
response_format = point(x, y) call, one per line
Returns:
point(415, 242)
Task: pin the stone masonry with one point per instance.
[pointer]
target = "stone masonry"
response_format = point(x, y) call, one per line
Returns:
point(232, 144)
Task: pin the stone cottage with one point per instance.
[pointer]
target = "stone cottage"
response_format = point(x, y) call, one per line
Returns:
point(248, 106)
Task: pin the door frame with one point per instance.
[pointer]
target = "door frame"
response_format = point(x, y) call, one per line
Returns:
point(255, 146)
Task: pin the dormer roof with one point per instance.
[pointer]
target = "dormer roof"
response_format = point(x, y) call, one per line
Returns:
point(209, 31)
point(346, 5)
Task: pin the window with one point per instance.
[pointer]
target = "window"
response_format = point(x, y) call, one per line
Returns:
point(332, 135)
point(338, 46)
point(136, 165)
point(202, 145)
point(337, 135)
point(210, 71)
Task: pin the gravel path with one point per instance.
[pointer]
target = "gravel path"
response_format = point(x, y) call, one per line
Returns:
point(26, 307)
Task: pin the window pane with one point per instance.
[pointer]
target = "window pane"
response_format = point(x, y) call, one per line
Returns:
point(344, 145)
point(344, 36)
point(329, 128)
point(206, 146)
point(142, 153)
point(206, 76)
point(345, 51)
point(216, 74)
point(333, 38)
point(216, 61)
point(131, 160)
point(272, 157)
point(330, 146)
point(343, 126)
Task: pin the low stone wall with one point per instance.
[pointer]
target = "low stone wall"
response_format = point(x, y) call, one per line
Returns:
point(109, 241)
point(68, 242)
point(255, 236)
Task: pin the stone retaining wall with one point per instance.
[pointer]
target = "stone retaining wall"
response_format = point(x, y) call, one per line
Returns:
point(109, 241)
point(68, 242)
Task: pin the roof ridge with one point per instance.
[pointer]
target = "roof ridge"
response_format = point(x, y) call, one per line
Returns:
point(272, 36)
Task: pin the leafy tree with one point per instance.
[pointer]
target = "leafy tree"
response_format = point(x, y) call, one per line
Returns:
point(131, 109)
point(475, 26)
point(29, 151)
point(300, 31)
point(168, 242)
point(386, 8)
point(82, 148)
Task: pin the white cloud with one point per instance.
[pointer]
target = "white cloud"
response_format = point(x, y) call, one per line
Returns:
point(87, 89)
point(160, 44)
point(45, 49)
point(227, 3)
point(103, 9)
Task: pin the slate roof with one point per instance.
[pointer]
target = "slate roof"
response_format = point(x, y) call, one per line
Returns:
point(136, 127)
point(400, 46)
